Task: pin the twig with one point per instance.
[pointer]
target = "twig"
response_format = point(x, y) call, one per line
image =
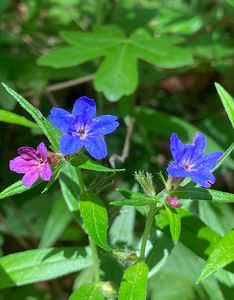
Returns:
point(126, 147)
point(65, 84)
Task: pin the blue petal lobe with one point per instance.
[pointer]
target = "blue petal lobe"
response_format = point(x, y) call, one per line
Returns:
point(209, 160)
point(176, 146)
point(84, 106)
point(96, 146)
point(177, 171)
point(204, 179)
point(61, 119)
point(199, 141)
point(70, 144)
point(104, 124)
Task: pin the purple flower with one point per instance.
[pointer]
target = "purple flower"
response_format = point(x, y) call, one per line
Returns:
point(82, 128)
point(33, 163)
point(191, 161)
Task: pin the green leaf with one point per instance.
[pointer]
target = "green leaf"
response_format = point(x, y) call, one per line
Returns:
point(226, 154)
point(16, 188)
point(160, 52)
point(118, 76)
point(71, 56)
point(70, 189)
point(133, 199)
point(48, 129)
point(134, 282)
point(122, 228)
point(197, 193)
point(227, 101)
point(95, 218)
point(41, 264)
point(85, 46)
point(222, 255)
point(87, 292)
point(104, 35)
point(57, 221)
point(175, 223)
point(231, 2)
point(12, 118)
point(90, 165)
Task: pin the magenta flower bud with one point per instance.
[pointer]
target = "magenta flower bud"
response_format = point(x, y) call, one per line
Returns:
point(173, 201)
point(33, 163)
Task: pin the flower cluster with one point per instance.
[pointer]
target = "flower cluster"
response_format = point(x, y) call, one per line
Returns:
point(81, 128)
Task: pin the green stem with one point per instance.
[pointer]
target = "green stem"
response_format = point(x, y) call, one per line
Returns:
point(91, 242)
point(146, 232)
point(95, 261)
point(149, 220)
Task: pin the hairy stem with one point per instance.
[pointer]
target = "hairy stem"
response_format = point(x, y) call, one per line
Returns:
point(146, 232)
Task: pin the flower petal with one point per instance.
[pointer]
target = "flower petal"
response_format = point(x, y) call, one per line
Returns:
point(28, 153)
point(104, 124)
point(176, 146)
point(42, 151)
point(31, 177)
point(61, 119)
point(46, 172)
point(199, 141)
point(204, 179)
point(96, 146)
point(20, 165)
point(209, 160)
point(70, 144)
point(177, 171)
point(84, 106)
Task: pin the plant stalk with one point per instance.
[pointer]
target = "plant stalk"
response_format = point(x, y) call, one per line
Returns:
point(146, 232)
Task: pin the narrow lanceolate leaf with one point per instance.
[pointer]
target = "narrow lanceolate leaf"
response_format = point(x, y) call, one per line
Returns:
point(222, 255)
point(134, 282)
point(70, 189)
point(48, 129)
point(16, 188)
point(134, 202)
point(42, 264)
point(226, 154)
point(95, 218)
point(117, 76)
point(87, 292)
point(197, 193)
point(58, 220)
point(89, 165)
point(174, 222)
point(12, 118)
point(133, 199)
point(228, 102)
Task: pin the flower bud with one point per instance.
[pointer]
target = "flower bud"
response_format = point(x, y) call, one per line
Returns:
point(173, 201)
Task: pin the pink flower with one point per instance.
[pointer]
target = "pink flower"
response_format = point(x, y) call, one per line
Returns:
point(33, 163)
point(173, 201)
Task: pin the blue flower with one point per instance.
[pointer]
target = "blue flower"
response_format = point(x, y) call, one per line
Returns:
point(82, 128)
point(191, 161)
